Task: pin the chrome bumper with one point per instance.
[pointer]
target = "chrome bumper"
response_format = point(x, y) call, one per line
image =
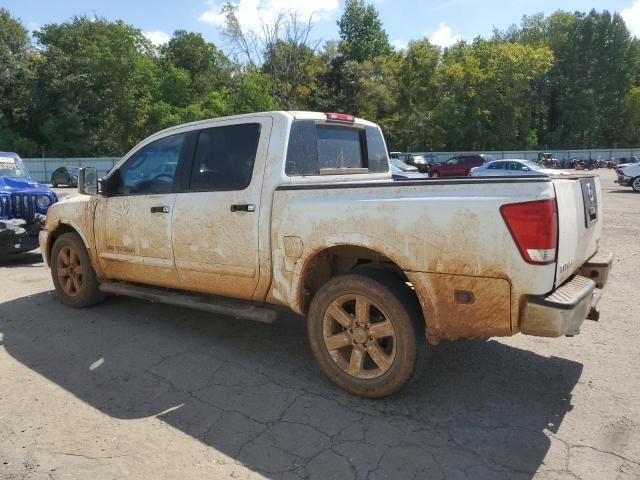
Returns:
point(562, 311)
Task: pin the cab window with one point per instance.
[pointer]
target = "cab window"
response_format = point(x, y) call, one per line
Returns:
point(224, 157)
point(152, 169)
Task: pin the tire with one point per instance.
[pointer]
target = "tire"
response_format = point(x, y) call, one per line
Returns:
point(435, 174)
point(54, 184)
point(72, 273)
point(635, 184)
point(394, 315)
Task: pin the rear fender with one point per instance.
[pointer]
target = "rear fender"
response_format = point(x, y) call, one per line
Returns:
point(312, 251)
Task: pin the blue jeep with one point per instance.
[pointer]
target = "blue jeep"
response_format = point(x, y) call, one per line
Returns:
point(23, 205)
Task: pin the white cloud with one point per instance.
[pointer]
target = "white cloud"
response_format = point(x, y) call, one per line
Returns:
point(444, 36)
point(399, 44)
point(253, 13)
point(631, 17)
point(157, 37)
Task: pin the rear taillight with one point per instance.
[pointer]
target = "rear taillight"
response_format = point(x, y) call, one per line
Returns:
point(534, 228)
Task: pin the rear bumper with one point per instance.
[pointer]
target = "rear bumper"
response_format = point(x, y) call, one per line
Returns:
point(562, 311)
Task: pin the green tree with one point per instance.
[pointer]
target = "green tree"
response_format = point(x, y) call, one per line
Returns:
point(413, 130)
point(252, 93)
point(631, 117)
point(484, 95)
point(95, 83)
point(205, 63)
point(361, 34)
point(17, 80)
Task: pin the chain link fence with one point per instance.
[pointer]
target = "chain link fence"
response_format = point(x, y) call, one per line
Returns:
point(42, 168)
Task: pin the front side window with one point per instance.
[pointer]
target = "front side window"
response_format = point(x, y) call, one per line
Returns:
point(225, 157)
point(152, 169)
point(452, 161)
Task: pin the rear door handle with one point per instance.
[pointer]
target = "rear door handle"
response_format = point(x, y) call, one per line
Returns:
point(161, 209)
point(247, 207)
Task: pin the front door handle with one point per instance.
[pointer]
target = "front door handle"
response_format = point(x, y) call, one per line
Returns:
point(161, 209)
point(247, 207)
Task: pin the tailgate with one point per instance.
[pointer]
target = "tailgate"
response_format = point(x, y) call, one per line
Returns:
point(579, 222)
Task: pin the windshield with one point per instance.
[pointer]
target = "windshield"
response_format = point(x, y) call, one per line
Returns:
point(12, 167)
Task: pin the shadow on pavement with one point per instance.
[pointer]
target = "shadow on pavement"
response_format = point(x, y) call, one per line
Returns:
point(252, 392)
point(21, 260)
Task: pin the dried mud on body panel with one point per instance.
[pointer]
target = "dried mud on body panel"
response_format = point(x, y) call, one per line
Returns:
point(487, 315)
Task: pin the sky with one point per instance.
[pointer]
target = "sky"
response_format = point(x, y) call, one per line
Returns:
point(443, 22)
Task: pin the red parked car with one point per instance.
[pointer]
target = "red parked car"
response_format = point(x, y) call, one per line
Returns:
point(459, 165)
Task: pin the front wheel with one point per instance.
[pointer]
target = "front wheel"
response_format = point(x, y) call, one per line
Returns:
point(635, 184)
point(435, 175)
point(73, 275)
point(367, 334)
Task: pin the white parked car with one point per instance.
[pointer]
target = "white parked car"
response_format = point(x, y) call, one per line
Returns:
point(513, 167)
point(629, 176)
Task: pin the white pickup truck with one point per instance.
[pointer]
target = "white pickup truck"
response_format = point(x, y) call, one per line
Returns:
point(235, 215)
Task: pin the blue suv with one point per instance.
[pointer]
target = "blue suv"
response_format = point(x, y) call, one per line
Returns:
point(23, 206)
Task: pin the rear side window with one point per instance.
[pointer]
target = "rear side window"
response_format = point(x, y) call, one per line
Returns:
point(316, 147)
point(224, 157)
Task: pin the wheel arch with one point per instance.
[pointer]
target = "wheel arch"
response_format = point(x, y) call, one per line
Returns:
point(340, 255)
point(63, 226)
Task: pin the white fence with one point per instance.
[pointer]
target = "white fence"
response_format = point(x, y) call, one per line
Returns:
point(42, 168)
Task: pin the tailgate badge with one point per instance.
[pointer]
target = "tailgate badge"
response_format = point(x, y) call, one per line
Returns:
point(590, 192)
point(565, 266)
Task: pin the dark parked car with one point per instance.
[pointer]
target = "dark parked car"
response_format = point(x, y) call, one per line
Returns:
point(65, 176)
point(421, 162)
point(459, 165)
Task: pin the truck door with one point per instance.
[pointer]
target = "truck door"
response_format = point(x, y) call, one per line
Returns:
point(133, 223)
point(216, 228)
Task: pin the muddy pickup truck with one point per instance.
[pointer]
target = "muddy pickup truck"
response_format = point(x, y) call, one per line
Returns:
point(238, 215)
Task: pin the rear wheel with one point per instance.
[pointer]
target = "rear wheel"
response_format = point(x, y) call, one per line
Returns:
point(635, 184)
point(367, 334)
point(73, 276)
point(435, 174)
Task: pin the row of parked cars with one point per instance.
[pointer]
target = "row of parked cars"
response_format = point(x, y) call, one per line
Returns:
point(406, 165)
point(629, 175)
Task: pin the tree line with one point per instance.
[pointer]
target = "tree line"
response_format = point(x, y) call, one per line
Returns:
point(93, 87)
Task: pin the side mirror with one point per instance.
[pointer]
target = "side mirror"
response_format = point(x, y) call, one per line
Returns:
point(88, 181)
